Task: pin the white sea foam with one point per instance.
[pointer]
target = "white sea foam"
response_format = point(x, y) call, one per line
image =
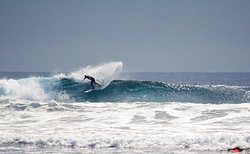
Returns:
point(165, 126)
point(28, 88)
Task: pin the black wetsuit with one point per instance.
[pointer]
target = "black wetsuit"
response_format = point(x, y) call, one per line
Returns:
point(92, 81)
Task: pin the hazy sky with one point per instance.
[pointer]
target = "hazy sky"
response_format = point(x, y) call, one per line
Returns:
point(146, 35)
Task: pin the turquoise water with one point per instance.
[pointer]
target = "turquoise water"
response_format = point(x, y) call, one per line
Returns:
point(213, 88)
point(152, 91)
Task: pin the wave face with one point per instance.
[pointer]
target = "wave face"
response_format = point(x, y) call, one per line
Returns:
point(149, 91)
point(68, 89)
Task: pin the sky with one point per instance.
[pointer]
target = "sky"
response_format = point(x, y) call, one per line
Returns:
point(146, 35)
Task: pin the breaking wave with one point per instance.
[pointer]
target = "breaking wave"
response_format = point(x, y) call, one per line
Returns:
point(70, 87)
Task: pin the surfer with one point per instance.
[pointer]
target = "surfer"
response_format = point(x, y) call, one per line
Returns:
point(92, 81)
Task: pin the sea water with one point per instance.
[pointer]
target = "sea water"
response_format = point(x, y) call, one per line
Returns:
point(131, 113)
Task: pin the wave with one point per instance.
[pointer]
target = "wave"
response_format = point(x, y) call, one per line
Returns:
point(66, 89)
point(150, 91)
point(51, 88)
point(69, 87)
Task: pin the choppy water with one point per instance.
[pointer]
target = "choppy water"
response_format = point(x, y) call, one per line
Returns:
point(131, 113)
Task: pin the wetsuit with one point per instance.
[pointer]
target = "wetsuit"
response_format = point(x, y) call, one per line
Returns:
point(92, 81)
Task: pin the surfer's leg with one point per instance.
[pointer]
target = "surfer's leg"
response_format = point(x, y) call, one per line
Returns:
point(92, 85)
point(97, 84)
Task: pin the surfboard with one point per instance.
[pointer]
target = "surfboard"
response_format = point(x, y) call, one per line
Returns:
point(96, 88)
point(89, 90)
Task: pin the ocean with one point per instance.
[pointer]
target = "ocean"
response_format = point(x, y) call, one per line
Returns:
point(144, 112)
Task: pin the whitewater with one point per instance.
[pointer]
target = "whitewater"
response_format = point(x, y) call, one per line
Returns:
point(131, 113)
